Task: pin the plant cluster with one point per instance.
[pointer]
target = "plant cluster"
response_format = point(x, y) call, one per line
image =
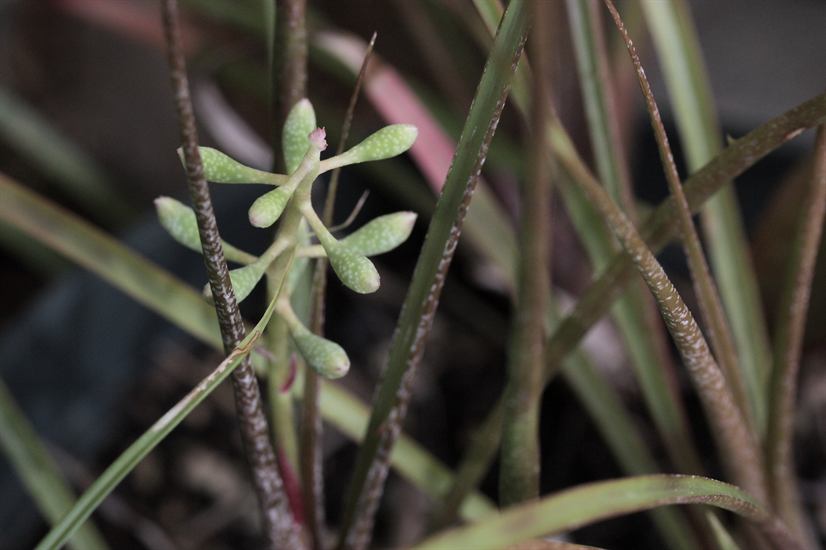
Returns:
point(291, 202)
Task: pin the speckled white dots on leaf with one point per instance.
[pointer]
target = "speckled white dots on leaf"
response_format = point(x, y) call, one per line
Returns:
point(179, 221)
point(267, 208)
point(294, 136)
point(386, 143)
point(382, 234)
point(355, 271)
point(221, 168)
point(326, 357)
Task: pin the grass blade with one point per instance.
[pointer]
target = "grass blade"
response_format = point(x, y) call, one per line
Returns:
point(595, 84)
point(33, 138)
point(594, 502)
point(635, 310)
point(38, 471)
point(132, 456)
point(737, 445)
point(788, 343)
point(520, 460)
point(707, 296)
point(422, 299)
point(678, 50)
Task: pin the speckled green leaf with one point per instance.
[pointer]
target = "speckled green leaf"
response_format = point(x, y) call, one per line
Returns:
point(326, 357)
point(267, 208)
point(221, 168)
point(179, 221)
point(382, 234)
point(355, 271)
point(386, 143)
point(244, 279)
point(294, 136)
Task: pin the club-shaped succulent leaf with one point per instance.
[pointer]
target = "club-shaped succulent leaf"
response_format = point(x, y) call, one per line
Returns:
point(267, 208)
point(221, 168)
point(386, 143)
point(354, 270)
point(326, 357)
point(381, 235)
point(243, 279)
point(294, 141)
point(179, 221)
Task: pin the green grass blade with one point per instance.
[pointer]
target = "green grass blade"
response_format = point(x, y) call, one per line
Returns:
point(737, 444)
point(423, 295)
point(87, 246)
point(135, 453)
point(594, 502)
point(38, 471)
point(678, 50)
point(705, 289)
point(650, 366)
point(519, 463)
point(595, 85)
point(32, 137)
point(159, 291)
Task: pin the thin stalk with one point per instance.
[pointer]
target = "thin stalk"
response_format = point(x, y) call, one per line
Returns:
point(286, 37)
point(678, 50)
point(708, 297)
point(30, 459)
point(418, 311)
point(736, 443)
point(520, 457)
point(595, 83)
point(269, 487)
point(635, 312)
point(290, 70)
point(280, 373)
point(312, 474)
point(788, 344)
